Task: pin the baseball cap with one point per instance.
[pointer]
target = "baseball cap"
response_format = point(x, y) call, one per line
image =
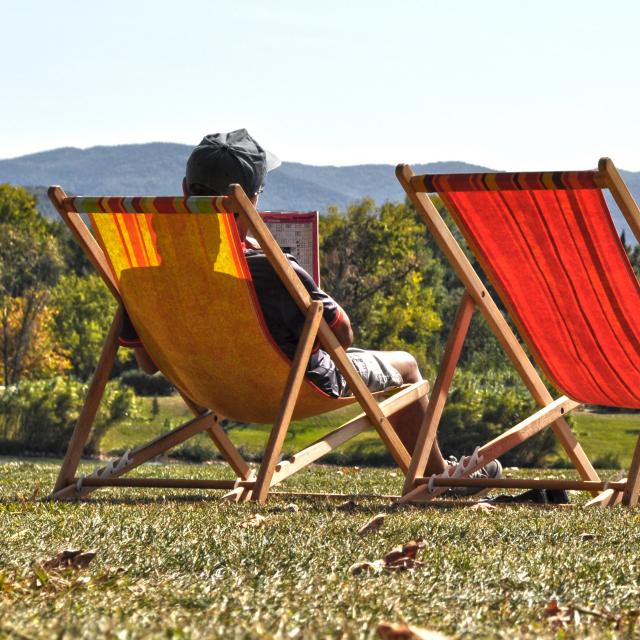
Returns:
point(222, 159)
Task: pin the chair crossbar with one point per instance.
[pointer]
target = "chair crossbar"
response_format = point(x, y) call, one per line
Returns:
point(346, 432)
point(167, 483)
point(525, 483)
point(120, 204)
point(505, 181)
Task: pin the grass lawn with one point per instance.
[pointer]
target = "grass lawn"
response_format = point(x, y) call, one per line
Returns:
point(181, 565)
point(608, 437)
point(250, 439)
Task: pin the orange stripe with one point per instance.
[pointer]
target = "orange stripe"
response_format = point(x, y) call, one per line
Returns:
point(234, 242)
point(137, 244)
point(149, 237)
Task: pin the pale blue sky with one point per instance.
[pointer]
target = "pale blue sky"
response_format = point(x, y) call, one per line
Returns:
point(503, 83)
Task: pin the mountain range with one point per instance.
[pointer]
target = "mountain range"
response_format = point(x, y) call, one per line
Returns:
point(157, 168)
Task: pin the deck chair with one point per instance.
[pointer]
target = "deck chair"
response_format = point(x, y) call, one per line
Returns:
point(548, 245)
point(176, 265)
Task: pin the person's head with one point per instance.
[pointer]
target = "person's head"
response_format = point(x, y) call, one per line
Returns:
point(223, 159)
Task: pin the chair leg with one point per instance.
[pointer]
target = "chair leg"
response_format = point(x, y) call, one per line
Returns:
point(142, 454)
point(82, 430)
point(503, 443)
point(429, 428)
point(287, 404)
point(364, 397)
point(631, 493)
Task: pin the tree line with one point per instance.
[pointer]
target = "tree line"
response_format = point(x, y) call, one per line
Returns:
point(378, 261)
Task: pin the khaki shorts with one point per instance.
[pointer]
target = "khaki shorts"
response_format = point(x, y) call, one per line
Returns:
point(377, 375)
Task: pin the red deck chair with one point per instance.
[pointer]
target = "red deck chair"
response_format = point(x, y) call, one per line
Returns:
point(177, 266)
point(547, 243)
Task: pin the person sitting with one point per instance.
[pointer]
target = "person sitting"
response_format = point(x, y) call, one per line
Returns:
point(222, 159)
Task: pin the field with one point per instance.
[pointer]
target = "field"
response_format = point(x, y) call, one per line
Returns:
point(608, 438)
point(185, 565)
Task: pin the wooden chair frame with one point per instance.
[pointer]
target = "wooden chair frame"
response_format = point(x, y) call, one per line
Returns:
point(270, 473)
point(552, 412)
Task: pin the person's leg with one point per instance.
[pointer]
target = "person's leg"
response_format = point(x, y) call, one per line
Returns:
point(407, 422)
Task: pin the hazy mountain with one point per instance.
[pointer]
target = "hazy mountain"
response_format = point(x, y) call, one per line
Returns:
point(157, 169)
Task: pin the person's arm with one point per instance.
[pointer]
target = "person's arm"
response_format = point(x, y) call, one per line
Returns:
point(341, 327)
point(335, 316)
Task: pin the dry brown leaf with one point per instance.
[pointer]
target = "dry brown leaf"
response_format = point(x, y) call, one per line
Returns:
point(366, 567)
point(255, 520)
point(73, 558)
point(348, 505)
point(404, 557)
point(482, 506)
point(560, 616)
point(373, 525)
point(345, 471)
point(401, 558)
point(389, 631)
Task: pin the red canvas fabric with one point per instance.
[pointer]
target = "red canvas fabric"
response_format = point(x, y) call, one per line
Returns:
point(556, 261)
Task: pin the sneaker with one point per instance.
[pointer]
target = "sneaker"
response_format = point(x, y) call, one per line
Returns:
point(491, 470)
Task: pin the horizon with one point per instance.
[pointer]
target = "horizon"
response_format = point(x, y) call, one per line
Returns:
point(447, 161)
point(138, 144)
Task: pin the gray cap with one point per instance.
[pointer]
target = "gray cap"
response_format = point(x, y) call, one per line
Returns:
point(222, 159)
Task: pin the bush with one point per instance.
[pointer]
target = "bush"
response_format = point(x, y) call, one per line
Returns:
point(40, 415)
point(194, 451)
point(481, 407)
point(145, 385)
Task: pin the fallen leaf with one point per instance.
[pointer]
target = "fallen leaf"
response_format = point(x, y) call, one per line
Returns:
point(70, 558)
point(481, 506)
point(389, 631)
point(255, 520)
point(366, 567)
point(373, 525)
point(404, 557)
point(348, 505)
point(588, 536)
point(401, 558)
point(344, 471)
point(558, 616)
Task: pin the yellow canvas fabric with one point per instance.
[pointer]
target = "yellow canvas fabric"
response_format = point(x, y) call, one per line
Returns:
point(183, 280)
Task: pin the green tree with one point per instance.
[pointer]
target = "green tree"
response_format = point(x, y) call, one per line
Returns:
point(376, 264)
point(633, 251)
point(30, 262)
point(84, 312)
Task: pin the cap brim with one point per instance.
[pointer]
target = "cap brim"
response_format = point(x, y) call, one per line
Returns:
point(271, 160)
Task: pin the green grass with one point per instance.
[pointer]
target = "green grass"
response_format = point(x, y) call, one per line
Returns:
point(179, 565)
point(608, 434)
point(606, 437)
point(251, 439)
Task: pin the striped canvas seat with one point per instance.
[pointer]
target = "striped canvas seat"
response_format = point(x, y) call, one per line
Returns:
point(181, 272)
point(548, 244)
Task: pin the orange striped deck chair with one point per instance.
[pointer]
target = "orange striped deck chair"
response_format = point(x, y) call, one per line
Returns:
point(548, 245)
point(177, 266)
